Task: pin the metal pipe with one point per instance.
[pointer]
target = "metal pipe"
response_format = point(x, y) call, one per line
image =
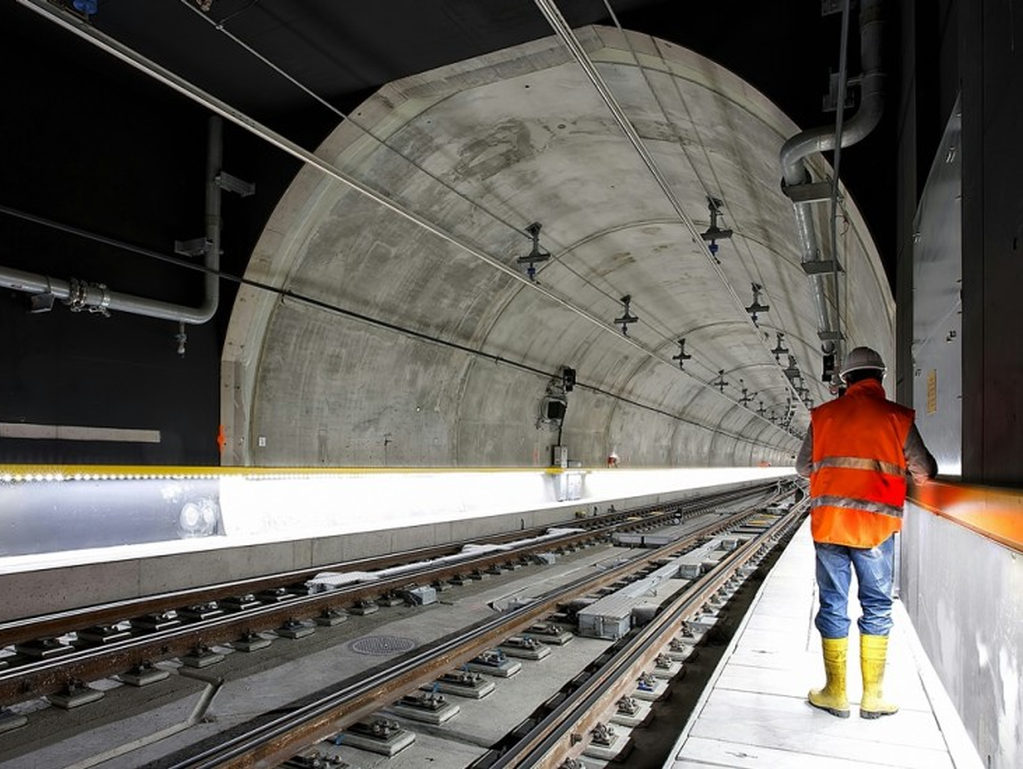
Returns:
point(822, 139)
point(96, 297)
point(843, 57)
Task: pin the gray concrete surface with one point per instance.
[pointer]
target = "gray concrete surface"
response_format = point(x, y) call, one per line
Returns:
point(521, 132)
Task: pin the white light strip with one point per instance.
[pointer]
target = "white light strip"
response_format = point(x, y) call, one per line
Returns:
point(77, 433)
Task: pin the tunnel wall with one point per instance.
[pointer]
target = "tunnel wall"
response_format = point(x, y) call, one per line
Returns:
point(455, 371)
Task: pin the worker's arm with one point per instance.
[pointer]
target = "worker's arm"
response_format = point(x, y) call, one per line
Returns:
point(804, 460)
point(920, 463)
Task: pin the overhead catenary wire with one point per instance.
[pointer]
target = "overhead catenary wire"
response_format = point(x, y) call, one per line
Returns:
point(612, 295)
point(112, 46)
point(319, 304)
point(551, 12)
point(692, 164)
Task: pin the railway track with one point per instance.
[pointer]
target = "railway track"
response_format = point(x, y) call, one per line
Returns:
point(270, 602)
point(58, 650)
point(556, 736)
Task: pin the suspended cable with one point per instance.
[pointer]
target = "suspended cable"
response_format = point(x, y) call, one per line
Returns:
point(112, 46)
point(319, 304)
point(612, 295)
point(692, 164)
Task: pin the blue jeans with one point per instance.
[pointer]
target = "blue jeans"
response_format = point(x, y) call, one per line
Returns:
point(873, 572)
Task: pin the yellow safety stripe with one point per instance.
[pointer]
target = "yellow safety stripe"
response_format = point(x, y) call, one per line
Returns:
point(138, 472)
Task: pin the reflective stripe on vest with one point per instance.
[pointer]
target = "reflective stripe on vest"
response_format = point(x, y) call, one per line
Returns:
point(858, 483)
point(857, 504)
point(859, 463)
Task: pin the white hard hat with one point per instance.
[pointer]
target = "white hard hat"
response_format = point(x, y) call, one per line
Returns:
point(862, 358)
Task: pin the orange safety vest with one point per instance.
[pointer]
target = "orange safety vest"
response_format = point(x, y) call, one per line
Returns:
point(858, 478)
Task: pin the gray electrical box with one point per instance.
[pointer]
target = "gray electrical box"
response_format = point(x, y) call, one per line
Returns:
point(559, 456)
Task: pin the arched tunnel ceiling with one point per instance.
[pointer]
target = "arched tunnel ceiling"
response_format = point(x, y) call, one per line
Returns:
point(500, 141)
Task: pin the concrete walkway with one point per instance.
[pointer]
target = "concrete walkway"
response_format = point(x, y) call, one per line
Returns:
point(756, 714)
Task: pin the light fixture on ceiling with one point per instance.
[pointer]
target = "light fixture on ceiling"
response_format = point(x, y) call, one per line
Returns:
point(780, 349)
point(714, 233)
point(682, 356)
point(756, 308)
point(627, 317)
point(536, 256)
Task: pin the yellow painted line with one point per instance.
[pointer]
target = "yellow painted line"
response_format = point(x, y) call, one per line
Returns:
point(71, 472)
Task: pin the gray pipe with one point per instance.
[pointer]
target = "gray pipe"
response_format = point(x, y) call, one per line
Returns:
point(96, 297)
point(822, 139)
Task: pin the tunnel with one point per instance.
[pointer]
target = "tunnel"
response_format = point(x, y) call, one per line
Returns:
point(298, 291)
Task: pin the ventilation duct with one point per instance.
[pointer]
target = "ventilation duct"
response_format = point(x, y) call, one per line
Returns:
point(803, 192)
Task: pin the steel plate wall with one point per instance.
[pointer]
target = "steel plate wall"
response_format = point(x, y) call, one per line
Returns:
point(937, 305)
point(964, 593)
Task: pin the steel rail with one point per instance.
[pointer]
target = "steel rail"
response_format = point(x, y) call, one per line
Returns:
point(59, 623)
point(557, 737)
point(51, 675)
point(268, 743)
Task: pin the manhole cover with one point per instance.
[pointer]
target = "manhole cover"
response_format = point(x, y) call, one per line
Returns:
point(382, 645)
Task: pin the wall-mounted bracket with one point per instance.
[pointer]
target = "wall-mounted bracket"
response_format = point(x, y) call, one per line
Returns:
point(808, 192)
point(193, 247)
point(821, 267)
point(231, 183)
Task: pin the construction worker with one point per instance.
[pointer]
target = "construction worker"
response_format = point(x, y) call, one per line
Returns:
point(856, 453)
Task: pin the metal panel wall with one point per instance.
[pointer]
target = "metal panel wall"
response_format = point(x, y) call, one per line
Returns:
point(937, 304)
point(964, 594)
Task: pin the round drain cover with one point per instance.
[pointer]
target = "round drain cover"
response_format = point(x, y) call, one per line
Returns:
point(382, 645)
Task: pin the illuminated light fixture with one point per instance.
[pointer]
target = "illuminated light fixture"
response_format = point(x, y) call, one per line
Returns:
point(536, 256)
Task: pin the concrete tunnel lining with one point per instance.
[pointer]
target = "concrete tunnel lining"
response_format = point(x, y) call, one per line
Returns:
point(321, 389)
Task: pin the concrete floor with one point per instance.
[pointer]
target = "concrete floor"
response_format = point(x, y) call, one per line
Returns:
point(775, 660)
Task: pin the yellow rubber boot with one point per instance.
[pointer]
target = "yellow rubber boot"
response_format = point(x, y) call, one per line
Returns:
point(873, 652)
point(832, 697)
